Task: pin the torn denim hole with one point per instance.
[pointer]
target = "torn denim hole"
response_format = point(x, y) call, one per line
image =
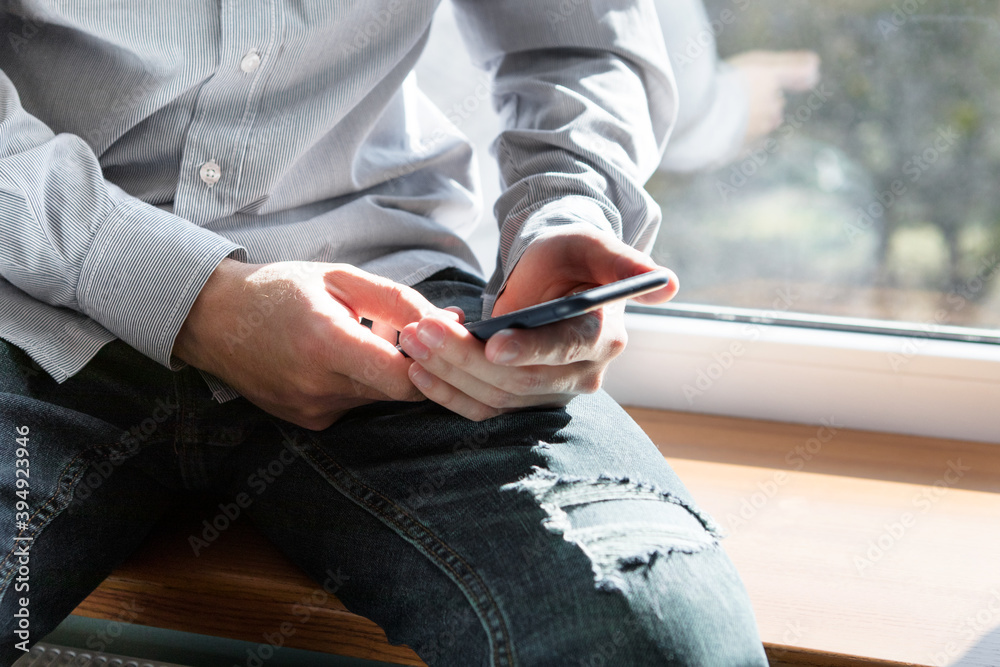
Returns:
point(629, 542)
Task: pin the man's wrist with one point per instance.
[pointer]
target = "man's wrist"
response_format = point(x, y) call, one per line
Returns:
point(142, 271)
point(216, 298)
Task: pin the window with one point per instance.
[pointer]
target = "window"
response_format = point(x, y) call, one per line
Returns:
point(783, 250)
point(876, 197)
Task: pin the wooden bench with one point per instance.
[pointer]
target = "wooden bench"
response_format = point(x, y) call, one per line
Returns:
point(857, 549)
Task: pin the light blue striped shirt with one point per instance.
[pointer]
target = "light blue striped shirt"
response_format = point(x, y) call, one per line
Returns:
point(143, 142)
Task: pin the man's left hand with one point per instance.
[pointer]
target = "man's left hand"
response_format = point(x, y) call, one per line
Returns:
point(547, 366)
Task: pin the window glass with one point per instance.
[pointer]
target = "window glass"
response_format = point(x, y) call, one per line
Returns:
point(878, 196)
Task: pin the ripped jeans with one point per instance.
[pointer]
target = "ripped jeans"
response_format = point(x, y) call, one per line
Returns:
point(543, 537)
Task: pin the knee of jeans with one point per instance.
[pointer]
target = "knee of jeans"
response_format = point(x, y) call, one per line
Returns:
point(686, 602)
point(623, 526)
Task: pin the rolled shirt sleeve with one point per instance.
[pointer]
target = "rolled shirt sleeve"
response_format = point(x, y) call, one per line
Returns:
point(75, 241)
point(588, 101)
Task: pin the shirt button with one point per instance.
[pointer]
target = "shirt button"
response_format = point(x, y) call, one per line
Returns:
point(250, 62)
point(210, 172)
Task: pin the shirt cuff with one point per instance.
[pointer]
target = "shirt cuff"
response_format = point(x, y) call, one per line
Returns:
point(143, 273)
point(571, 210)
point(221, 392)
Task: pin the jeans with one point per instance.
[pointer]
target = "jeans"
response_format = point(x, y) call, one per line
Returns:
point(542, 537)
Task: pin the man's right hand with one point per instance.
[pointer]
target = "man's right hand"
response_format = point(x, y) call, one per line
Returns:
point(767, 75)
point(287, 337)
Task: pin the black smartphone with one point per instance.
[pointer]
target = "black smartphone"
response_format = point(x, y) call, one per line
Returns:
point(572, 305)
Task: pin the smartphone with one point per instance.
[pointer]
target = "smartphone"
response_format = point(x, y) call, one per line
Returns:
point(572, 305)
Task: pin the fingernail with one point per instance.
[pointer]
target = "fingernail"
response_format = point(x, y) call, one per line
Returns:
point(413, 346)
point(421, 378)
point(508, 352)
point(430, 334)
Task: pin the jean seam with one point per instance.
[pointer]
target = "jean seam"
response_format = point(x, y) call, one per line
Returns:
point(429, 543)
point(50, 507)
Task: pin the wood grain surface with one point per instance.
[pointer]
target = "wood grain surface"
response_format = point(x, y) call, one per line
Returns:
point(881, 546)
point(857, 549)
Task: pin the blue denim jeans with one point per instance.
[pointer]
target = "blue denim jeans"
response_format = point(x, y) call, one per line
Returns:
point(543, 537)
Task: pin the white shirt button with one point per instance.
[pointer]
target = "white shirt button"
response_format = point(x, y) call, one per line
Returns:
point(250, 62)
point(210, 172)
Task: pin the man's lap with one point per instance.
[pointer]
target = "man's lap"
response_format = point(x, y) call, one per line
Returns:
point(536, 534)
point(546, 533)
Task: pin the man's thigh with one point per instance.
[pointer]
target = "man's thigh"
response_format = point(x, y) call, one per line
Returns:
point(539, 537)
point(72, 502)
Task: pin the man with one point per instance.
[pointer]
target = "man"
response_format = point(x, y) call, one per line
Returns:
point(237, 188)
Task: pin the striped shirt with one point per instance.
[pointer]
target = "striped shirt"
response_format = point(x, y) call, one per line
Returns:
point(143, 142)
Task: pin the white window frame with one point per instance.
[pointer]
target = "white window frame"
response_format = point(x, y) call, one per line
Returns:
point(916, 386)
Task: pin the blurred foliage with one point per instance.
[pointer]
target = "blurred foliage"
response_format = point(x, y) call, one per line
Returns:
point(892, 184)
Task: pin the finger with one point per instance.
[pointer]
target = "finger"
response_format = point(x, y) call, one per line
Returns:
point(372, 365)
point(377, 298)
point(797, 70)
point(579, 339)
point(455, 356)
point(448, 396)
point(662, 295)
point(608, 260)
point(511, 385)
point(603, 260)
point(384, 331)
point(389, 333)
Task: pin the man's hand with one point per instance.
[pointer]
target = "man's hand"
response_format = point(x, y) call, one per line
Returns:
point(287, 337)
point(547, 366)
point(768, 74)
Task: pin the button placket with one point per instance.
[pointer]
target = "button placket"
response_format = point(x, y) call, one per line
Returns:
point(225, 113)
